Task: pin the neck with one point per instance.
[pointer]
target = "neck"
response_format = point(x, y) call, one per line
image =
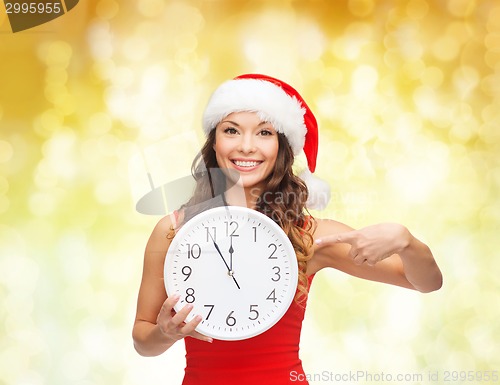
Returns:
point(240, 196)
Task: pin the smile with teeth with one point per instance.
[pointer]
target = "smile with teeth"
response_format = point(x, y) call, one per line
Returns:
point(246, 163)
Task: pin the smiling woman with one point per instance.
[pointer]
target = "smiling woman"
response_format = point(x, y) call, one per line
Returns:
point(255, 126)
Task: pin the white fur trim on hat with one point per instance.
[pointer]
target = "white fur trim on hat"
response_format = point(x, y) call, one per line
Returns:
point(319, 190)
point(268, 100)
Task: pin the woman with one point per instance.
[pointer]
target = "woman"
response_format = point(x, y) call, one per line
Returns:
point(255, 126)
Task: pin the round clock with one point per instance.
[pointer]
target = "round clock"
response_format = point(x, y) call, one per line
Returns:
point(236, 267)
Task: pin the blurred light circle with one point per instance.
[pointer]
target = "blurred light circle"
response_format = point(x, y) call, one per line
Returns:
point(151, 8)
point(445, 48)
point(461, 8)
point(361, 8)
point(417, 9)
point(6, 151)
point(107, 9)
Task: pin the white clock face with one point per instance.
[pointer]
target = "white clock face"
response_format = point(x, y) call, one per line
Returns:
point(236, 267)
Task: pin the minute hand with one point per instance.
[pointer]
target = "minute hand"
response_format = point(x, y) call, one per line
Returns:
point(225, 263)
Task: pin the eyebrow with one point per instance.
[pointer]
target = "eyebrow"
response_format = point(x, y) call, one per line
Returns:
point(236, 124)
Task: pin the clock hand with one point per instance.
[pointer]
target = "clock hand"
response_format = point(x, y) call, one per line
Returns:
point(231, 251)
point(225, 263)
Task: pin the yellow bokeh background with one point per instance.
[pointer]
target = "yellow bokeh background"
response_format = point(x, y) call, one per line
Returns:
point(407, 95)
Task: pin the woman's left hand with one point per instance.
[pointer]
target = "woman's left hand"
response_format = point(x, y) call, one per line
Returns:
point(371, 244)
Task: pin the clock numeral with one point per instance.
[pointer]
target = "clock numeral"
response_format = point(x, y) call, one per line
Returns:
point(190, 295)
point(211, 233)
point(276, 273)
point(272, 296)
point(254, 310)
point(254, 233)
point(210, 311)
point(186, 270)
point(230, 320)
point(231, 226)
point(274, 247)
point(194, 251)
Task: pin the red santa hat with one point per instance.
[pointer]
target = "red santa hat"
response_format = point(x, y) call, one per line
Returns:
point(281, 105)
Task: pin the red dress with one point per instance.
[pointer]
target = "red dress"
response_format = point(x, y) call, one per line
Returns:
point(269, 358)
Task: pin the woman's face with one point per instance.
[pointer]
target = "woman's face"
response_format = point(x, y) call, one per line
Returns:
point(247, 145)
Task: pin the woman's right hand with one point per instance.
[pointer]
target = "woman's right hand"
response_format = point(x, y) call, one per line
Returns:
point(173, 325)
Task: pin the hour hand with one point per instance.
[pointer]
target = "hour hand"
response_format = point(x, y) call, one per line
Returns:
point(231, 251)
point(230, 273)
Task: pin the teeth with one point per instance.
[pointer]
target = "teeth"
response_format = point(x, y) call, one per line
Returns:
point(245, 164)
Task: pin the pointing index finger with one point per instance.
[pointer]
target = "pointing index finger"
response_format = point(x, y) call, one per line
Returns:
point(346, 237)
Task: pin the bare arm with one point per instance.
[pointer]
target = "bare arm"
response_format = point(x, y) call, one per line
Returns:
point(420, 267)
point(157, 327)
point(385, 252)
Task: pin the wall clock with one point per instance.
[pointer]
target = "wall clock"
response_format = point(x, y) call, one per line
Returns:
point(236, 267)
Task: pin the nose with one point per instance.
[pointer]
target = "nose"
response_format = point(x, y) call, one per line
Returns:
point(247, 143)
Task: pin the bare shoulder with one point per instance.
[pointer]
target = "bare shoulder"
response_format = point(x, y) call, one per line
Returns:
point(164, 225)
point(160, 238)
point(332, 255)
point(329, 227)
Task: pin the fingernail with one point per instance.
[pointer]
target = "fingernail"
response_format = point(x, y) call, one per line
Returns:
point(176, 297)
point(210, 340)
point(318, 241)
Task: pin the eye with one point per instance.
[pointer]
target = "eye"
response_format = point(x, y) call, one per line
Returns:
point(266, 132)
point(230, 131)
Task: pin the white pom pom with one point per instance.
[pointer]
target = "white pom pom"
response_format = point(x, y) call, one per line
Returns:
point(319, 190)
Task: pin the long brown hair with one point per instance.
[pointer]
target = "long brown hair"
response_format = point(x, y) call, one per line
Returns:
point(283, 200)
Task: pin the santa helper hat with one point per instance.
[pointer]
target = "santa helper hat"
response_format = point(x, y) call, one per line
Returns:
point(281, 105)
